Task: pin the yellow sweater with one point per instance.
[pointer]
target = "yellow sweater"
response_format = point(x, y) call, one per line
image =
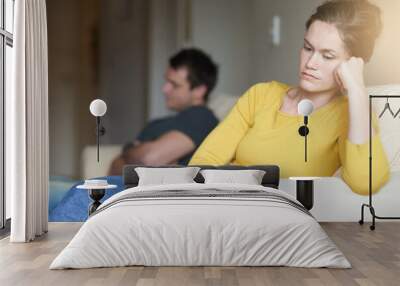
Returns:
point(256, 132)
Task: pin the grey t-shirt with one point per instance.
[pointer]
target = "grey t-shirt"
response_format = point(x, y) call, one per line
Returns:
point(196, 122)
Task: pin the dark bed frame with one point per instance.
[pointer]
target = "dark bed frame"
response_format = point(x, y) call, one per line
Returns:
point(270, 179)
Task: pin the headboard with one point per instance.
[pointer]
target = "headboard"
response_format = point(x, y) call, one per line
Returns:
point(270, 179)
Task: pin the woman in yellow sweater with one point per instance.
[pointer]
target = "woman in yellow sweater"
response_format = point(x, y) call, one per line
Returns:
point(262, 128)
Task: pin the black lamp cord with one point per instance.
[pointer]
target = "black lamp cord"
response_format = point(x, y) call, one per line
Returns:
point(303, 131)
point(98, 135)
point(100, 131)
point(305, 138)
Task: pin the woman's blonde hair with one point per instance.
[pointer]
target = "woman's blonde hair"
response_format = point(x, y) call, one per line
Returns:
point(358, 22)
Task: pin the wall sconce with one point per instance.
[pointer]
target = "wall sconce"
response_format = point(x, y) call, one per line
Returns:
point(305, 108)
point(98, 108)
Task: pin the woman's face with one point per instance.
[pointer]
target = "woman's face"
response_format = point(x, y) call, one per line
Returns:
point(322, 53)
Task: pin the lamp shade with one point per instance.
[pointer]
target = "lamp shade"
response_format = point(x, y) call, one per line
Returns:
point(305, 107)
point(98, 107)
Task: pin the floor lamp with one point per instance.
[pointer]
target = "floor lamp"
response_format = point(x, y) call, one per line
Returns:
point(98, 108)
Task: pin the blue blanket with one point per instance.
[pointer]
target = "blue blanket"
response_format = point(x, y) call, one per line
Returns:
point(74, 206)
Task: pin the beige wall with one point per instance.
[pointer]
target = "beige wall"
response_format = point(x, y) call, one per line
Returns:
point(64, 63)
point(224, 28)
point(97, 49)
point(279, 62)
point(384, 66)
point(123, 68)
point(163, 42)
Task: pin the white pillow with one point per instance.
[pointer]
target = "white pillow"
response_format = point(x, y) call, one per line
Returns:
point(221, 104)
point(248, 177)
point(162, 176)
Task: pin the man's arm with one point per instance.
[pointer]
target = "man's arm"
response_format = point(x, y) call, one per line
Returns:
point(167, 149)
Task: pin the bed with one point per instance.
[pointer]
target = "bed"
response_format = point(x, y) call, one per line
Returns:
point(201, 224)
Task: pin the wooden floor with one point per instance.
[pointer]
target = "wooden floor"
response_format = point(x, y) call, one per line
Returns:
point(375, 257)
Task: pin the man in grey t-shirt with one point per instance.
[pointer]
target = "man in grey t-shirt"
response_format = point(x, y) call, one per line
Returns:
point(190, 78)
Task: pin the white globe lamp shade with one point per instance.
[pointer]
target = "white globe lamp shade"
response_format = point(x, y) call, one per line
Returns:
point(98, 107)
point(305, 107)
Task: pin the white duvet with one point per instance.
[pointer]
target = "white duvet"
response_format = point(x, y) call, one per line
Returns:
point(183, 231)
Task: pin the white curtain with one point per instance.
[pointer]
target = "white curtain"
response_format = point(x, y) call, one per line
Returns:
point(27, 140)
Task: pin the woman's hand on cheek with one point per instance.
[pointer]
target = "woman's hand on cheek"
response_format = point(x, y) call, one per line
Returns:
point(350, 75)
point(339, 82)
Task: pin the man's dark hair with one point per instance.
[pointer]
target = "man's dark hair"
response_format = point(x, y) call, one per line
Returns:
point(200, 66)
